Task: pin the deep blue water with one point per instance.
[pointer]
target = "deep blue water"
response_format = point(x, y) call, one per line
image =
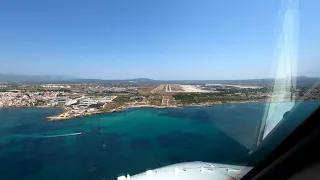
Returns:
point(128, 142)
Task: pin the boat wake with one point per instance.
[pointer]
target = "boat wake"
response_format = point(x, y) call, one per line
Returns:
point(62, 135)
point(48, 136)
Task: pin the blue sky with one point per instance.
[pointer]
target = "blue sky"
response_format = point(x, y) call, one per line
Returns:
point(159, 39)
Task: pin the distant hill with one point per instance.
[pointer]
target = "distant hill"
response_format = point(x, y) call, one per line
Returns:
point(102, 81)
point(301, 81)
point(13, 78)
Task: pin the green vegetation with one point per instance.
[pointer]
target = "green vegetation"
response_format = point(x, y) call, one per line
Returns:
point(39, 89)
point(109, 106)
point(222, 92)
point(122, 99)
point(98, 94)
point(39, 102)
point(117, 102)
point(146, 91)
point(188, 98)
point(155, 99)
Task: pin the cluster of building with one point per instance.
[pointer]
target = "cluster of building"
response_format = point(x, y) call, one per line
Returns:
point(15, 98)
point(254, 92)
point(102, 89)
point(233, 86)
point(74, 104)
point(75, 99)
point(56, 86)
point(81, 106)
point(72, 101)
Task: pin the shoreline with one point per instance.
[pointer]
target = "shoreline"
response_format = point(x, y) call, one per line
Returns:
point(66, 116)
point(126, 107)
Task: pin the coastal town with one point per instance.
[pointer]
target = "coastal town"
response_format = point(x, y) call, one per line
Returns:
point(79, 100)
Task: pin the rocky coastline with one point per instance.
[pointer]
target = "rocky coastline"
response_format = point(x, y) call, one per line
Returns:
point(67, 115)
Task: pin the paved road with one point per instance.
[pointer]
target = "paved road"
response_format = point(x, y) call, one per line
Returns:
point(168, 88)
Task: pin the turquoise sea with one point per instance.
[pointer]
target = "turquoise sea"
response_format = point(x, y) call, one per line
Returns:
point(133, 141)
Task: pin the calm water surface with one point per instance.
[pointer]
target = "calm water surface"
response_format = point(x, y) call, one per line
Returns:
point(32, 148)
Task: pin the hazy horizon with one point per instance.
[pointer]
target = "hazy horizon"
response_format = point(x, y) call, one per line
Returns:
point(79, 78)
point(163, 40)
